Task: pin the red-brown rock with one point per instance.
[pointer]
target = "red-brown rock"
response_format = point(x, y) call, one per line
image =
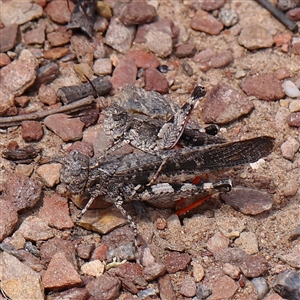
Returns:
point(176, 261)
point(203, 21)
point(8, 218)
point(60, 274)
point(60, 11)
point(155, 81)
point(294, 119)
point(32, 131)
point(124, 73)
point(143, 59)
point(263, 86)
point(22, 191)
point(55, 211)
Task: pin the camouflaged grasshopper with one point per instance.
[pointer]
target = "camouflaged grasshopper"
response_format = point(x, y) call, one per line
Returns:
point(122, 178)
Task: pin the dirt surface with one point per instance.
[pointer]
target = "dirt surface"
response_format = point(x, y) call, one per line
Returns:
point(203, 232)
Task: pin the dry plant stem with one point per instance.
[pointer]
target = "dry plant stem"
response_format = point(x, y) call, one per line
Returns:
point(279, 15)
point(70, 108)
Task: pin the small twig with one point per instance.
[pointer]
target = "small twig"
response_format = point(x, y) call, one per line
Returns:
point(279, 15)
point(75, 106)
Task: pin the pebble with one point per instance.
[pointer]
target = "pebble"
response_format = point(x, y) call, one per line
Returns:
point(21, 101)
point(187, 69)
point(188, 287)
point(101, 24)
point(58, 38)
point(104, 9)
point(16, 12)
point(294, 106)
point(83, 48)
point(198, 270)
point(281, 39)
point(83, 147)
point(123, 252)
point(102, 220)
point(124, 73)
point(225, 104)
point(104, 287)
point(223, 288)
point(93, 268)
point(204, 21)
point(248, 201)
point(35, 229)
point(60, 274)
point(294, 14)
point(163, 24)
point(290, 89)
point(21, 191)
point(119, 36)
point(49, 173)
point(16, 78)
point(282, 73)
point(8, 37)
point(204, 56)
point(143, 59)
point(84, 251)
point(285, 5)
point(68, 129)
point(221, 59)
point(99, 49)
point(251, 265)
point(144, 294)
point(264, 87)
point(56, 53)
point(102, 66)
point(32, 131)
point(261, 286)
point(185, 50)
point(137, 13)
point(4, 59)
point(74, 294)
point(57, 245)
point(255, 37)
point(293, 119)
point(159, 42)
point(203, 292)
point(55, 211)
point(19, 281)
point(60, 11)
point(9, 218)
point(287, 284)
point(147, 258)
point(100, 252)
point(166, 290)
point(47, 95)
point(26, 170)
point(176, 261)
point(232, 271)
point(247, 241)
point(155, 81)
point(83, 70)
point(154, 271)
point(293, 257)
point(289, 148)
point(209, 5)
point(36, 36)
point(217, 242)
point(46, 74)
point(228, 17)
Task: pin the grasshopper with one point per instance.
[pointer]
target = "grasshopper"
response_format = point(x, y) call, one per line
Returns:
point(123, 178)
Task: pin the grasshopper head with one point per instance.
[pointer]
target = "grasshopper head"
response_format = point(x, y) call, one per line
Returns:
point(75, 172)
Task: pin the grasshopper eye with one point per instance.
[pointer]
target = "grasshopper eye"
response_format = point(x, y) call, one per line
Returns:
point(75, 172)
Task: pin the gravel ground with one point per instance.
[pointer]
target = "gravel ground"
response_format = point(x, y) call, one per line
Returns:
point(240, 245)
